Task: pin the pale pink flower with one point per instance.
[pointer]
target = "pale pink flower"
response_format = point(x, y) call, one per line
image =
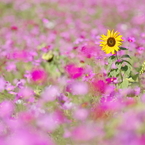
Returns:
point(83, 132)
point(77, 88)
point(50, 93)
point(6, 108)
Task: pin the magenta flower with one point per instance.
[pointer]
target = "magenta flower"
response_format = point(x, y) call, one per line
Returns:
point(14, 28)
point(111, 80)
point(73, 71)
point(38, 75)
point(100, 111)
point(99, 86)
point(129, 101)
point(90, 50)
point(20, 55)
point(131, 39)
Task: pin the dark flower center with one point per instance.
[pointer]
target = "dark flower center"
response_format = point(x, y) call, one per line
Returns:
point(111, 42)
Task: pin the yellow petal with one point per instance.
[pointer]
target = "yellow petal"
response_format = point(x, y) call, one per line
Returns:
point(112, 32)
point(116, 34)
point(108, 33)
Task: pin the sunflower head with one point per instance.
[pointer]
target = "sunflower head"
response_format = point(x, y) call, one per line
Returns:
point(110, 43)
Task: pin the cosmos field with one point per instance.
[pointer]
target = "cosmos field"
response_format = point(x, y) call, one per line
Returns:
point(72, 72)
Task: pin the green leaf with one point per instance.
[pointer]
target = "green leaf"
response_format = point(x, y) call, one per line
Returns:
point(124, 84)
point(127, 73)
point(126, 56)
point(118, 64)
point(127, 62)
point(130, 79)
point(113, 72)
point(127, 70)
point(111, 58)
point(124, 68)
point(108, 67)
point(135, 77)
point(110, 61)
point(123, 48)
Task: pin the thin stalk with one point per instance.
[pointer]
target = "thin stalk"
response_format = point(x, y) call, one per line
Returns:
point(120, 73)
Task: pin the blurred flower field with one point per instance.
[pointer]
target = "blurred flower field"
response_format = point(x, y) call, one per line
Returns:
point(72, 72)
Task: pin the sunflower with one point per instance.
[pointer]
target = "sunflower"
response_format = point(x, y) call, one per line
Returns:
point(111, 42)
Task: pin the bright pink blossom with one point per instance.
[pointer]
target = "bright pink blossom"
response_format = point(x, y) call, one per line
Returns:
point(73, 71)
point(38, 75)
point(99, 85)
point(131, 39)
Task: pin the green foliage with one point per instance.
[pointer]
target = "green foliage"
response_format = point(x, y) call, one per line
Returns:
point(118, 64)
point(123, 48)
point(142, 68)
point(125, 56)
point(127, 62)
point(124, 84)
point(113, 73)
point(123, 68)
point(111, 58)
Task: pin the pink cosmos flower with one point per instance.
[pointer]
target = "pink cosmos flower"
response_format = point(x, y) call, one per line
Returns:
point(6, 109)
point(38, 75)
point(77, 88)
point(73, 71)
point(50, 93)
point(131, 39)
point(140, 50)
point(25, 136)
point(129, 101)
point(14, 28)
point(20, 55)
point(89, 74)
point(99, 85)
point(111, 80)
point(20, 83)
point(81, 114)
point(9, 86)
point(11, 66)
point(100, 111)
point(27, 94)
point(26, 117)
point(83, 133)
point(91, 50)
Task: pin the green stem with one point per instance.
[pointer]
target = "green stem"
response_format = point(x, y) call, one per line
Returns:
point(120, 73)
